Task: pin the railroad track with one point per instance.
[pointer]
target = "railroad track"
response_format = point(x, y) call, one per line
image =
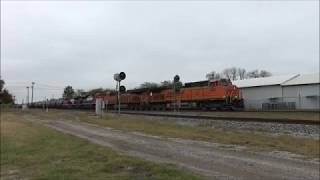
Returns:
point(237, 119)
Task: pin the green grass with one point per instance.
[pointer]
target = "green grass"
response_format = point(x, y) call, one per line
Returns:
point(32, 151)
point(252, 139)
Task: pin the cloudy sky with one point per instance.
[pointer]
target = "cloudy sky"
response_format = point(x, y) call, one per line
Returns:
point(83, 43)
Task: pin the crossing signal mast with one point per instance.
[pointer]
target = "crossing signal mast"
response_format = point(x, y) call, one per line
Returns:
point(176, 89)
point(120, 89)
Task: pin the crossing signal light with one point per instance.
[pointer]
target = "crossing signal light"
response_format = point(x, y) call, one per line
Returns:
point(122, 75)
point(176, 78)
point(119, 76)
point(122, 89)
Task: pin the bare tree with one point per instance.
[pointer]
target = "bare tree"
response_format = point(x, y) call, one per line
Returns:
point(166, 83)
point(253, 74)
point(80, 92)
point(241, 73)
point(233, 72)
point(149, 85)
point(227, 73)
point(264, 73)
point(213, 75)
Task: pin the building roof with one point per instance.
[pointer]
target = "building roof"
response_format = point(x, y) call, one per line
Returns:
point(266, 81)
point(303, 79)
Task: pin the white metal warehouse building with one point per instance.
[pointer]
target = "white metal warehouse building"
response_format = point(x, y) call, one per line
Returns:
point(301, 92)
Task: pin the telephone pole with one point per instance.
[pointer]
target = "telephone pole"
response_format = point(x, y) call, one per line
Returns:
point(27, 95)
point(32, 93)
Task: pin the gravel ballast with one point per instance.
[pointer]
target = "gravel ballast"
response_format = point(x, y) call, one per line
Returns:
point(274, 129)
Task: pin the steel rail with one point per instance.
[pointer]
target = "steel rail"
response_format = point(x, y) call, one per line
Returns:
point(237, 119)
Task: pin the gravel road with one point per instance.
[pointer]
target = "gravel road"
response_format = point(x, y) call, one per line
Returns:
point(214, 161)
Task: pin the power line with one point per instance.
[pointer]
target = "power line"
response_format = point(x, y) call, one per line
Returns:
point(18, 86)
point(38, 88)
point(45, 89)
point(49, 88)
point(38, 84)
point(42, 84)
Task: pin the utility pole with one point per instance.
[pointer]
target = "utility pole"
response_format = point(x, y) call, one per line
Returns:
point(27, 95)
point(43, 104)
point(47, 104)
point(32, 93)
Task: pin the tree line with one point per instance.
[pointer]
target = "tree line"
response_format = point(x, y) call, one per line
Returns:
point(166, 83)
point(69, 92)
point(5, 96)
point(235, 73)
point(232, 73)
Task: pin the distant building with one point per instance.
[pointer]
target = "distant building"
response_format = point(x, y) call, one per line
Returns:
point(300, 92)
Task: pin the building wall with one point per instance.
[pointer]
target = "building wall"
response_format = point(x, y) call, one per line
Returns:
point(299, 96)
point(305, 96)
point(254, 97)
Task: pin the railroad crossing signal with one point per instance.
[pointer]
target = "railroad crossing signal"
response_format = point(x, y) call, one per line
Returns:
point(120, 89)
point(176, 88)
point(176, 78)
point(122, 75)
point(119, 76)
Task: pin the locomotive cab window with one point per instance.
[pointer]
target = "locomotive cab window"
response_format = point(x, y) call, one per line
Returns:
point(212, 84)
point(225, 82)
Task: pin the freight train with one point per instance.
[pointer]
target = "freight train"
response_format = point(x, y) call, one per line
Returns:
point(204, 95)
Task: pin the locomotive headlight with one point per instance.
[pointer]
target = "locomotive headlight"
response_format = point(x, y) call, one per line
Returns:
point(224, 97)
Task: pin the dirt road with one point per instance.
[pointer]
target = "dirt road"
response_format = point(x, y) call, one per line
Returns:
point(212, 160)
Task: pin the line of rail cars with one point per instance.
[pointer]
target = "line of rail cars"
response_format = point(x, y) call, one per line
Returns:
point(205, 95)
point(87, 102)
point(216, 94)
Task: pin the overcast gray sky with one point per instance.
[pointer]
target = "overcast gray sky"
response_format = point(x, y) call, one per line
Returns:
point(83, 43)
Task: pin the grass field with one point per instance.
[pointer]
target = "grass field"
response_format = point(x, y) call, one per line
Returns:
point(253, 140)
point(31, 151)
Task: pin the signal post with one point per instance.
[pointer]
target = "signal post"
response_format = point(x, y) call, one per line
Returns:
point(120, 89)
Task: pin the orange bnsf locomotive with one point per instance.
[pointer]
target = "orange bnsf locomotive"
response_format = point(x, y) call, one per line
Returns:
point(204, 95)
